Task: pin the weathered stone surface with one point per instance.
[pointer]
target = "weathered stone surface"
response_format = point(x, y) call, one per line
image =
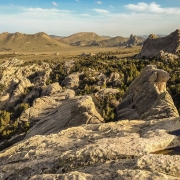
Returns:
point(169, 165)
point(153, 45)
point(71, 81)
point(55, 114)
point(101, 78)
point(115, 79)
point(116, 150)
point(51, 89)
point(68, 65)
point(45, 105)
point(18, 77)
point(107, 173)
point(166, 56)
point(105, 92)
point(147, 98)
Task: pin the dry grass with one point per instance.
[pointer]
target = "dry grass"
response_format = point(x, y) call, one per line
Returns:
point(65, 53)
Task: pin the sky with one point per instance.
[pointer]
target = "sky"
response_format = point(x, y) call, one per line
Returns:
point(104, 17)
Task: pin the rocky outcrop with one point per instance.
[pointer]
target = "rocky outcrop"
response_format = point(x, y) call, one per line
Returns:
point(105, 92)
point(51, 89)
point(68, 65)
point(71, 81)
point(115, 79)
point(153, 45)
point(20, 79)
point(116, 150)
point(134, 41)
point(45, 105)
point(56, 113)
point(166, 56)
point(147, 97)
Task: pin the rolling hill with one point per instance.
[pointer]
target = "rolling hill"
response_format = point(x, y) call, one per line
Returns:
point(85, 37)
point(27, 42)
point(92, 39)
point(114, 41)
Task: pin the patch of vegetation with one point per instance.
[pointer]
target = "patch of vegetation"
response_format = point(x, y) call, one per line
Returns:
point(2, 88)
point(9, 125)
point(91, 67)
point(127, 68)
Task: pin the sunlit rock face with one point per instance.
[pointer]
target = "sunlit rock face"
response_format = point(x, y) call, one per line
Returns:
point(147, 97)
point(116, 150)
point(56, 113)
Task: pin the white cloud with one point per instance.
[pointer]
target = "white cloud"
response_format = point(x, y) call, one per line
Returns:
point(85, 15)
point(54, 3)
point(77, 1)
point(103, 22)
point(152, 8)
point(101, 11)
point(99, 2)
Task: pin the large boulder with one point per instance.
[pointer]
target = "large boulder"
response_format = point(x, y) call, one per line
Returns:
point(45, 105)
point(147, 97)
point(153, 45)
point(71, 81)
point(51, 89)
point(115, 79)
point(57, 113)
point(166, 56)
point(116, 150)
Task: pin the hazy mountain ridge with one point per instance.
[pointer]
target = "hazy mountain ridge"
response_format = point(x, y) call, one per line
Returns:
point(93, 39)
point(42, 41)
point(82, 36)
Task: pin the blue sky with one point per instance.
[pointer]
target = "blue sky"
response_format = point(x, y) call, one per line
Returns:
point(104, 17)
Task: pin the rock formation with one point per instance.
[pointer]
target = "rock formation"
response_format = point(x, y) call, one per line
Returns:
point(147, 97)
point(153, 45)
point(19, 78)
point(71, 81)
point(166, 56)
point(134, 41)
point(53, 117)
point(68, 138)
point(116, 150)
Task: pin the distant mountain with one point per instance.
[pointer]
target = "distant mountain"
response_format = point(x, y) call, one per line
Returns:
point(57, 37)
point(82, 38)
point(122, 41)
point(30, 42)
point(42, 41)
point(146, 36)
point(92, 39)
point(115, 41)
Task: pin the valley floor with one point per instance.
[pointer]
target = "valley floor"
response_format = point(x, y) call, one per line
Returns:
point(65, 52)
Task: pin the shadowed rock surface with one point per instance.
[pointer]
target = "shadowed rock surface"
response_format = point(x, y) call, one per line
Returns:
point(147, 98)
point(153, 45)
point(116, 150)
